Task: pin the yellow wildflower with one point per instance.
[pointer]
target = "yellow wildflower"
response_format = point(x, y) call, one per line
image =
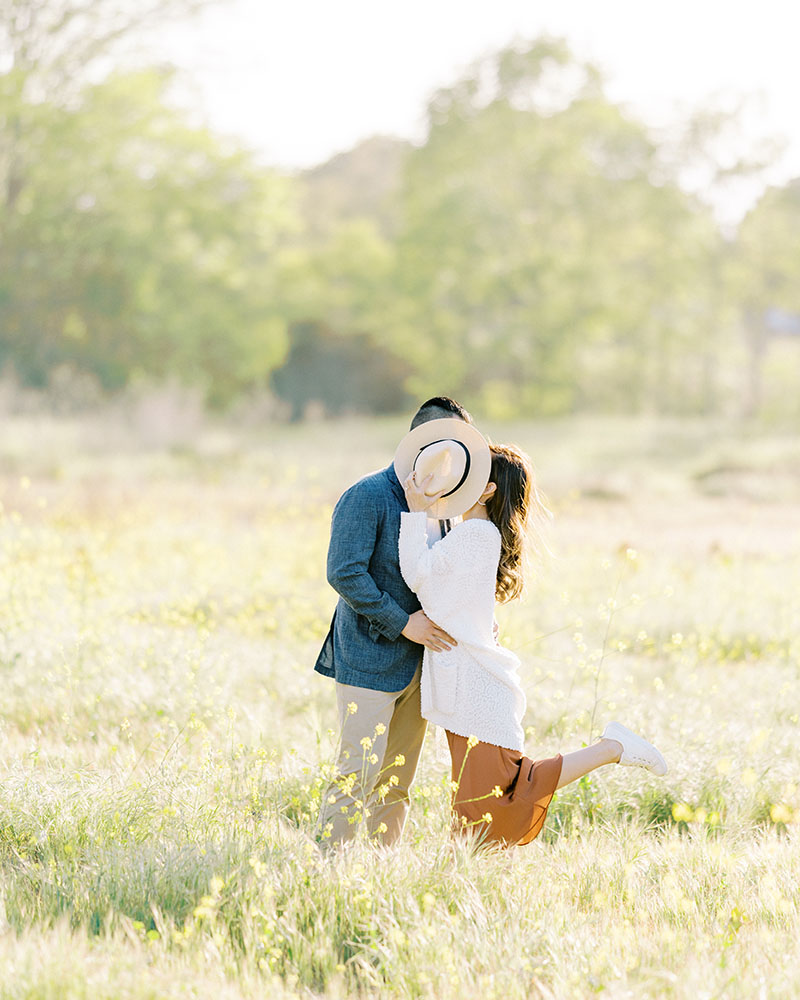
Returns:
point(682, 813)
point(781, 813)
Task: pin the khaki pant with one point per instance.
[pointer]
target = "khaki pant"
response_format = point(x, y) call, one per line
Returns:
point(364, 790)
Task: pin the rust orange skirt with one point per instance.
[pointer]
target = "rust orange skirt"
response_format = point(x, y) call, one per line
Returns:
point(527, 787)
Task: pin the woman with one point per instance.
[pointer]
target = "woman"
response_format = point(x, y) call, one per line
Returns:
point(472, 690)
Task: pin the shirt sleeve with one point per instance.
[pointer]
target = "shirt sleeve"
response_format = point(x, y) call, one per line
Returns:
point(354, 531)
point(418, 561)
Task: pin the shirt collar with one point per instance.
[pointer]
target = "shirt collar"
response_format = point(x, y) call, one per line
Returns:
point(397, 489)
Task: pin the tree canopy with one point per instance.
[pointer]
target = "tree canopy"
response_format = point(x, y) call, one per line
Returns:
point(538, 253)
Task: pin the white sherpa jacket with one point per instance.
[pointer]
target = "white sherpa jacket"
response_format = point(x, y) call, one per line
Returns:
point(472, 689)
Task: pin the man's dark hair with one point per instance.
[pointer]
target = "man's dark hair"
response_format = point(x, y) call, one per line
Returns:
point(437, 407)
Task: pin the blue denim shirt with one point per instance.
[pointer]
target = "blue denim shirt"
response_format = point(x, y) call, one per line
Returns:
point(364, 646)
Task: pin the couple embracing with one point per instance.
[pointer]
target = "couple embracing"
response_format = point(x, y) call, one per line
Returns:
point(419, 553)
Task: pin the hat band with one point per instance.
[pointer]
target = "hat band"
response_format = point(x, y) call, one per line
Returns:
point(467, 463)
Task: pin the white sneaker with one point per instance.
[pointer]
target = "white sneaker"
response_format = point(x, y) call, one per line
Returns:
point(636, 752)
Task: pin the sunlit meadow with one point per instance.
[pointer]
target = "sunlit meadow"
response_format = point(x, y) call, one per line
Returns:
point(164, 741)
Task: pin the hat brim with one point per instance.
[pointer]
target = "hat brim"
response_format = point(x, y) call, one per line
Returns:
point(448, 428)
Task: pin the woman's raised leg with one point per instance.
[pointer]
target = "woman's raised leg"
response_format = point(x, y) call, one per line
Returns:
point(574, 765)
point(617, 745)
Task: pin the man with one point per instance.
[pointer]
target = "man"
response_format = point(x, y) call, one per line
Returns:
point(374, 652)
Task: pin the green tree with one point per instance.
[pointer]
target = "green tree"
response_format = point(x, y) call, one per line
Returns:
point(128, 241)
point(49, 46)
point(140, 244)
point(549, 260)
point(764, 277)
point(336, 287)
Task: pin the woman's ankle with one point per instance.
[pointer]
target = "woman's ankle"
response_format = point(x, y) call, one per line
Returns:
point(612, 749)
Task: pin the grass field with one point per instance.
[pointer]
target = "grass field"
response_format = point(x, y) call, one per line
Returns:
point(164, 741)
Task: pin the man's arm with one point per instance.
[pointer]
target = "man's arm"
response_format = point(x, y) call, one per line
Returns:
point(354, 530)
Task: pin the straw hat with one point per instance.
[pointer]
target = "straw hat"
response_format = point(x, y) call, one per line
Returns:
point(455, 454)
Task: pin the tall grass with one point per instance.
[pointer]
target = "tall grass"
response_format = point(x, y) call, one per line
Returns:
point(164, 743)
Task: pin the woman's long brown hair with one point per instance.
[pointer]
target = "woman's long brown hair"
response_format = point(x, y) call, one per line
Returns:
point(511, 507)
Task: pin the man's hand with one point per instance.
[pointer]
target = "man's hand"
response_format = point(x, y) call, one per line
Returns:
point(422, 630)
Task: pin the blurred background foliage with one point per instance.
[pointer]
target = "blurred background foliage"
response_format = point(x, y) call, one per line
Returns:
point(538, 254)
